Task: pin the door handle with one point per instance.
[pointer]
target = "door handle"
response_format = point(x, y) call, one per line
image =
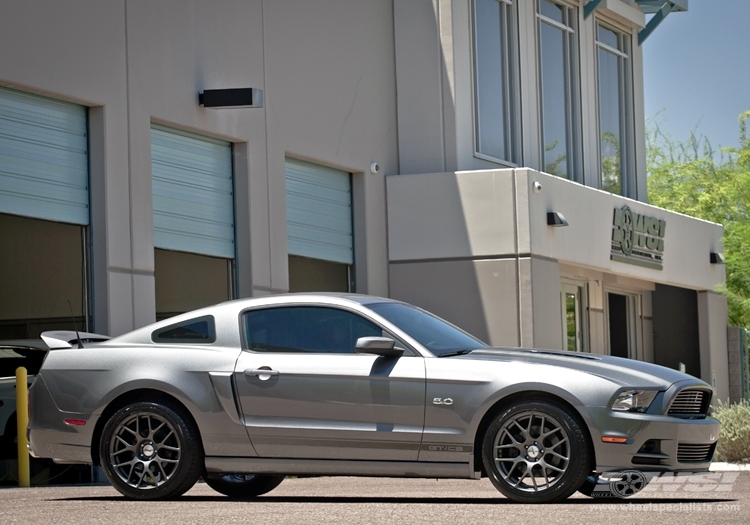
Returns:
point(263, 373)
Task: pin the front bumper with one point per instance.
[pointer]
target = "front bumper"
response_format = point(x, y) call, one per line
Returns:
point(655, 443)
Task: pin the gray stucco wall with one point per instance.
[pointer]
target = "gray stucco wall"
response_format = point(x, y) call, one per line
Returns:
point(329, 83)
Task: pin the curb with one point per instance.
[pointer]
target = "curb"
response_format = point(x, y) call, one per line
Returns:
point(726, 467)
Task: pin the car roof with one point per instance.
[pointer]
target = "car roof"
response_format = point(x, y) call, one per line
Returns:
point(230, 309)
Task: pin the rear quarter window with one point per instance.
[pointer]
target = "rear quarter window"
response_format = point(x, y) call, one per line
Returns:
point(201, 330)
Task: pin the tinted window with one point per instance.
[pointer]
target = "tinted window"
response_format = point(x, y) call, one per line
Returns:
point(306, 329)
point(431, 332)
point(200, 330)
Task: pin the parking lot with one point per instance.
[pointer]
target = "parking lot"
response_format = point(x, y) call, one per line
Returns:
point(712, 498)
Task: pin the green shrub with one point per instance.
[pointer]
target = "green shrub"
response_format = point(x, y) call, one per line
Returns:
point(734, 438)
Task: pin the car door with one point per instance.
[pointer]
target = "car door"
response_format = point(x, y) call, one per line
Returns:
point(305, 393)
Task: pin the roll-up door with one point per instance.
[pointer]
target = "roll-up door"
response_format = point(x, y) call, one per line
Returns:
point(319, 212)
point(192, 192)
point(43, 158)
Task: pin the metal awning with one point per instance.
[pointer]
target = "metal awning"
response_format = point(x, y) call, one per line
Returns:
point(659, 8)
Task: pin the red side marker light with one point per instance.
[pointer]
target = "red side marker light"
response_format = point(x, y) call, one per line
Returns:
point(613, 439)
point(78, 422)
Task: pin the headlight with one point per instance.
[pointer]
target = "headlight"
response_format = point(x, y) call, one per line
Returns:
point(634, 400)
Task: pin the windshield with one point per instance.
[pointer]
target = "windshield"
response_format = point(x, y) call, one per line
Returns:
point(438, 336)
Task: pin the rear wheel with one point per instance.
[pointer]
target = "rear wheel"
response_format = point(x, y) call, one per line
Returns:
point(536, 452)
point(242, 486)
point(151, 450)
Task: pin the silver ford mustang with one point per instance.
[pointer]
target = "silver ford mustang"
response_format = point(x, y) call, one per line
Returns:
point(246, 392)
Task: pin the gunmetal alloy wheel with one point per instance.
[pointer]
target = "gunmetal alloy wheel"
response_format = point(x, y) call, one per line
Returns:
point(535, 452)
point(242, 486)
point(150, 450)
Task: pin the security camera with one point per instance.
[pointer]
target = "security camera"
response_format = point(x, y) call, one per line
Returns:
point(537, 186)
point(374, 168)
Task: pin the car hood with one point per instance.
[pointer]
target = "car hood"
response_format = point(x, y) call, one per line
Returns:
point(626, 372)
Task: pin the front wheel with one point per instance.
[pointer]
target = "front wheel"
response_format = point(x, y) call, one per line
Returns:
point(536, 452)
point(242, 486)
point(151, 450)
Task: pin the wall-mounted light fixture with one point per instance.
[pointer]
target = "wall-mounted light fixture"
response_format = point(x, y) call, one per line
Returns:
point(717, 258)
point(231, 98)
point(555, 218)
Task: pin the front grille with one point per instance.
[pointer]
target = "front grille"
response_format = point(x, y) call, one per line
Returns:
point(690, 403)
point(691, 453)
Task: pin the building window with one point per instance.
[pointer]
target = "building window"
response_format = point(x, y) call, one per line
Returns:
point(615, 110)
point(497, 123)
point(558, 88)
point(573, 321)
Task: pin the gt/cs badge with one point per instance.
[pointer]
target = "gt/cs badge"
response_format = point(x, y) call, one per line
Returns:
point(442, 401)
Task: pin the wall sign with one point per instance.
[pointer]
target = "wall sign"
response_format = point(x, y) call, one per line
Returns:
point(637, 239)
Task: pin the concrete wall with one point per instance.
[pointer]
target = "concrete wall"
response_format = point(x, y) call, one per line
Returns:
point(480, 296)
point(497, 213)
point(712, 328)
point(475, 247)
point(687, 244)
point(329, 83)
point(331, 99)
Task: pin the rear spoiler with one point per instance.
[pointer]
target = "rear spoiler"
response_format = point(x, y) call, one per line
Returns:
point(59, 339)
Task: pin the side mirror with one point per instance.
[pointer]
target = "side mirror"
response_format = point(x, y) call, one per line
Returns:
point(382, 346)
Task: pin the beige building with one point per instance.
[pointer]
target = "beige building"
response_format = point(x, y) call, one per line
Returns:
point(417, 149)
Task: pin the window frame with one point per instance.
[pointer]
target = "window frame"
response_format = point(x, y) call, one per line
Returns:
point(572, 79)
point(626, 109)
point(400, 343)
point(580, 289)
point(211, 339)
point(511, 86)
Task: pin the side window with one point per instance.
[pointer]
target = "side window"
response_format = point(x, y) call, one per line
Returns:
point(199, 330)
point(306, 329)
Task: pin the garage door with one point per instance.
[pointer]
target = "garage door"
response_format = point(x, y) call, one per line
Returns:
point(319, 212)
point(43, 158)
point(193, 193)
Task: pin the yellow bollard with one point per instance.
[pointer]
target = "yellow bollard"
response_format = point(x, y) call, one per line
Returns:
point(22, 415)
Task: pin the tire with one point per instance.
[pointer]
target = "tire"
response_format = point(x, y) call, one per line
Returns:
point(151, 450)
point(614, 485)
point(242, 486)
point(536, 452)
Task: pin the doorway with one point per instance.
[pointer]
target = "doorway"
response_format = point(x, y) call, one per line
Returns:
point(622, 324)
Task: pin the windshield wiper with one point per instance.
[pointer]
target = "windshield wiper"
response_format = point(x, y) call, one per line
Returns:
point(457, 352)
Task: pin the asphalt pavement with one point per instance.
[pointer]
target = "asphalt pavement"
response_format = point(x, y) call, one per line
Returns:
point(721, 497)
